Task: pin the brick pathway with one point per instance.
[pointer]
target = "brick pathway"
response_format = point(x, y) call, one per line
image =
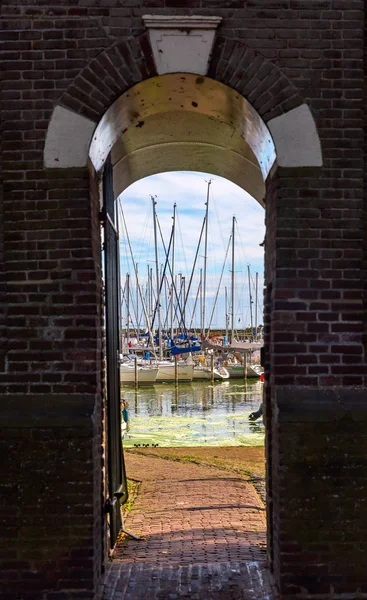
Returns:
point(203, 536)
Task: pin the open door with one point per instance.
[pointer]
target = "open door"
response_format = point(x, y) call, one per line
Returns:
point(117, 484)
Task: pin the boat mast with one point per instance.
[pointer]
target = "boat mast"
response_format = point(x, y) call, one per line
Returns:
point(127, 308)
point(151, 296)
point(256, 284)
point(173, 268)
point(194, 309)
point(137, 279)
point(250, 296)
point(219, 286)
point(201, 300)
point(193, 269)
point(179, 301)
point(165, 303)
point(157, 277)
point(232, 280)
point(205, 257)
point(184, 303)
point(148, 292)
point(137, 306)
point(226, 313)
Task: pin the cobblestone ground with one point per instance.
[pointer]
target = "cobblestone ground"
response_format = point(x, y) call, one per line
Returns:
point(203, 536)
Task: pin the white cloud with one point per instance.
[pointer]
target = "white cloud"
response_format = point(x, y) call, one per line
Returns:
point(188, 190)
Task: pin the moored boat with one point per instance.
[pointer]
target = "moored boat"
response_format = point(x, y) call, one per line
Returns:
point(166, 372)
point(236, 370)
point(203, 372)
point(144, 375)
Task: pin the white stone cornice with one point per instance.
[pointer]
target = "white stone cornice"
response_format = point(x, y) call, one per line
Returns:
point(181, 44)
point(177, 22)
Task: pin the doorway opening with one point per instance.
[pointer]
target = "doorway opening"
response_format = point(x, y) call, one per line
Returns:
point(182, 121)
point(212, 275)
point(190, 443)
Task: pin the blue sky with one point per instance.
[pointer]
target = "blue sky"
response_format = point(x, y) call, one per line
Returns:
point(188, 190)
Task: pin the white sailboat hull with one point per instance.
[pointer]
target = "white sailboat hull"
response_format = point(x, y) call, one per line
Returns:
point(166, 372)
point(145, 375)
point(205, 373)
point(237, 372)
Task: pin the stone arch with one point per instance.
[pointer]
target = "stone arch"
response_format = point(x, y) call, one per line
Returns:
point(284, 117)
point(232, 63)
point(181, 121)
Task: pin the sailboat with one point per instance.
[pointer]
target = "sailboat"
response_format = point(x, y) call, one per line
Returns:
point(167, 371)
point(132, 372)
point(204, 371)
point(237, 370)
point(237, 367)
point(142, 375)
point(129, 372)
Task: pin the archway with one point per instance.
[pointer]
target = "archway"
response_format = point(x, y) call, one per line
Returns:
point(181, 121)
point(185, 121)
point(65, 68)
point(151, 127)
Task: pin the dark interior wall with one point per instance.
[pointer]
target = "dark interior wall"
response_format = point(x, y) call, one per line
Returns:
point(269, 271)
point(365, 190)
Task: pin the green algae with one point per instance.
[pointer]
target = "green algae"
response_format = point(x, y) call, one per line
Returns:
point(197, 414)
point(225, 430)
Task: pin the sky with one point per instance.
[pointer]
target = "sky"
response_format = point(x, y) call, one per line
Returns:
point(188, 190)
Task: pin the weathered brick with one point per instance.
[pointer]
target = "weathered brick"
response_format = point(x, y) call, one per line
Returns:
point(279, 54)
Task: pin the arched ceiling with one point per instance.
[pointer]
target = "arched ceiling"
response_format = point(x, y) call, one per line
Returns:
point(184, 122)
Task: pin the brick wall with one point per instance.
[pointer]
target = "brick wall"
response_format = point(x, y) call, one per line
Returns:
point(52, 478)
point(278, 53)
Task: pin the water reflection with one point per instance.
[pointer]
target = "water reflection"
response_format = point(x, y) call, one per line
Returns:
point(198, 413)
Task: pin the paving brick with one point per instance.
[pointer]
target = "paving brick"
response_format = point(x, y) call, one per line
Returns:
point(203, 536)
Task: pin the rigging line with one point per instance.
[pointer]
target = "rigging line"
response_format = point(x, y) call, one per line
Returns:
point(259, 304)
point(137, 281)
point(253, 281)
point(219, 222)
point(168, 305)
point(140, 315)
point(205, 258)
point(246, 317)
point(124, 256)
point(132, 302)
point(196, 299)
point(239, 238)
point(185, 297)
point(194, 265)
point(242, 291)
point(219, 284)
point(164, 272)
point(181, 240)
point(123, 296)
point(122, 292)
point(145, 239)
point(134, 327)
point(173, 283)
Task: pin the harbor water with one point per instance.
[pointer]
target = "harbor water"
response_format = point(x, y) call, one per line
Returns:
point(194, 414)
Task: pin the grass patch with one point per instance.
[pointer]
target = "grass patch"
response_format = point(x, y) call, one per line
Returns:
point(133, 489)
point(248, 461)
